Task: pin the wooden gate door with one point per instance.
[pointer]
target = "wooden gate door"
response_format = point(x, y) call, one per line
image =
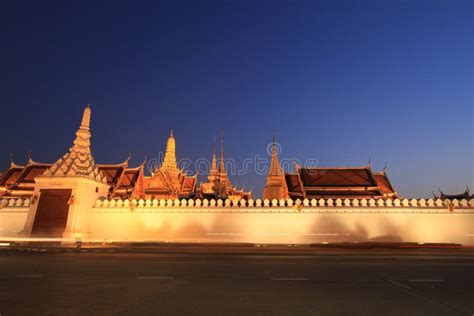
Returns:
point(51, 214)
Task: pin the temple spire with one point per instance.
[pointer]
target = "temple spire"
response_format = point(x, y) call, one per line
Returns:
point(213, 172)
point(221, 160)
point(222, 173)
point(276, 187)
point(83, 134)
point(275, 169)
point(169, 161)
point(86, 117)
point(78, 161)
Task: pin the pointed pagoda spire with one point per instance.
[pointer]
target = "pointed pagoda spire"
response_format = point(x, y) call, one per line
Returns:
point(83, 134)
point(221, 159)
point(276, 187)
point(169, 161)
point(222, 173)
point(213, 172)
point(275, 169)
point(79, 160)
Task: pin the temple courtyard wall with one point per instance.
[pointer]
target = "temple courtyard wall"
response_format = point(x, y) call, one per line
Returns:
point(266, 222)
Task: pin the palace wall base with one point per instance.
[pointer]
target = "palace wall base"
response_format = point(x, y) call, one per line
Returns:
point(265, 222)
point(293, 228)
point(12, 222)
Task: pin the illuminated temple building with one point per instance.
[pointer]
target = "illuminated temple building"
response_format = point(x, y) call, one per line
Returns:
point(165, 182)
point(218, 185)
point(340, 182)
point(19, 181)
point(168, 181)
point(459, 196)
point(321, 182)
point(276, 187)
point(75, 198)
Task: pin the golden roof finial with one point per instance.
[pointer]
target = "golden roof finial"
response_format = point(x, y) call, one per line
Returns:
point(144, 161)
point(12, 163)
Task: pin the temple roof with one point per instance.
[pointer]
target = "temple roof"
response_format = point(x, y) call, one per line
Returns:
point(383, 182)
point(465, 195)
point(188, 186)
point(12, 174)
point(17, 174)
point(113, 173)
point(218, 184)
point(169, 181)
point(337, 177)
point(293, 182)
point(339, 182)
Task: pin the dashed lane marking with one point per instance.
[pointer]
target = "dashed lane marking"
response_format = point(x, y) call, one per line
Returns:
point(155, 277)
point(290, 279)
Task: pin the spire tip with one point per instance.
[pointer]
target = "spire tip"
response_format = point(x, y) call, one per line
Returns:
point(86, 117)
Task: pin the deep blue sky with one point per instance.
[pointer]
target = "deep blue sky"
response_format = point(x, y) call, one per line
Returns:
point(338, 81)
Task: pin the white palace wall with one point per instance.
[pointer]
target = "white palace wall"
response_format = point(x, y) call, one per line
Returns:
point(299, 222)
point(13, 215)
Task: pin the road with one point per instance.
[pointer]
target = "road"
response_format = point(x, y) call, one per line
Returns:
point(356, 283)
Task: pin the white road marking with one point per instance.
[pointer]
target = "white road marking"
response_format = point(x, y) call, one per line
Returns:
point(272, 263)
point(399, 284)
point(290, 279)
point(155, 277)
point(426, 280)
point(29, 275)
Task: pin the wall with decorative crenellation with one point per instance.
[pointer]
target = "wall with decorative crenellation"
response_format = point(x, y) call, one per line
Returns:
point(13, 214)
point(285, 221)
point(266, 222)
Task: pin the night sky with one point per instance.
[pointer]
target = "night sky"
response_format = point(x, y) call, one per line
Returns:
point(337, 81)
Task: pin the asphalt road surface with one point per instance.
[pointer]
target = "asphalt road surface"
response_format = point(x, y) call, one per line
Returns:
point(236, 284)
